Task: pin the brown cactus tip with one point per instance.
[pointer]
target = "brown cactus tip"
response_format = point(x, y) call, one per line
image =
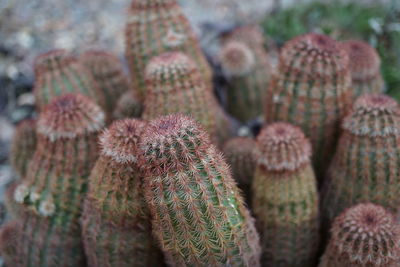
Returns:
point(52, 60)
point(364, 60)
point(69, 116)
point(9, 233)
point(121, 140)
point(373, 115)
point(236, 58)
point(283, 147)
point(366, 234)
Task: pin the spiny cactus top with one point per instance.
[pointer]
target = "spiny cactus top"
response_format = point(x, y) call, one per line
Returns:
point(116, 225)
point(175, 86)
point(128, 106)
point(155, 27)
point(284, 197)
point(365, 66)
point(312, 90)
point(366, 164)
point(198, 216)
point(108, 74)
point(236, 58)
point(23, 146)
point(363, 235)
point(57, 73)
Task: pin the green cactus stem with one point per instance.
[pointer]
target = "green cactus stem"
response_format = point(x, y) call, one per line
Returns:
point(363, 235)
point(284, 197)
point(198, 215)
point(116, 223)
point(311, 89)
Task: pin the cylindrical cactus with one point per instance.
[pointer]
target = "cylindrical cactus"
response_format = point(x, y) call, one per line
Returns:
point(363, 235)
point(128, 106)
point(175, 86)
point(58, 73)
point(240, 154)
point(198, 215)
point(23, 146)
point(53, 191)
point(12, 207)
point(246, 64)
point(109, 75)
point(9, 238)
point(115, 221)
point(365, 66)
point(284, 197)
point(312, 90)
point(155, 27)
point(366, 165)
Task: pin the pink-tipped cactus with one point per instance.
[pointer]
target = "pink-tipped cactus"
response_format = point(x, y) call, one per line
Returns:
point(116, 224)
point(363, 235)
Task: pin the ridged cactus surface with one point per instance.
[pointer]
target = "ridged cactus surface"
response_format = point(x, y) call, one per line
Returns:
point(23, 146)
point(366, 166)
point(51, 195)
point(175, 86)
point(312, 90)
point(362, 236)
point(58, 73)
point(365, 66)
point(109, 75)
point(284, 197)
point(155, 27)
point(198, 216)
point(116, 223)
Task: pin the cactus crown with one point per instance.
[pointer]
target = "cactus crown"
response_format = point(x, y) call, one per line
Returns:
point(102, 62)
point(236, 58)
point(366, 234)
point(239, 144)
point(120, 140)
point(283, 147)
point(69, 116)
point(53, 60)
point(364, 60)
point(373, 115)
point(151, 3)
point(315, 49)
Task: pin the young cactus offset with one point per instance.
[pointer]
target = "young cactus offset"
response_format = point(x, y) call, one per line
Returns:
point(175, 86)
point(240, 154)
point(23, 146)
point(366, 166)
point(109, 75)
point(198, 215)
point(155, 27)
point(51, 195)
point(246, 64)
point(363, 235)
point(116, 224)
point(312, 90)
point(59, 73)
point(365, 66)
point(284, 197)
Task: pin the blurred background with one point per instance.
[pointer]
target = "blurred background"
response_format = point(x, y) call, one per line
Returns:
point(32, 27)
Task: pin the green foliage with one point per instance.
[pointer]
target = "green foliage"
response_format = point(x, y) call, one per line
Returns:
point(377, 24)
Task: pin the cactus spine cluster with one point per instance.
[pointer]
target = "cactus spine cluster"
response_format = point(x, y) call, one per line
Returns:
point(23, 146)
point(246, 64)
point(198, 215)
point(175, 86)
point(312, 90)
point(363, 235)
point(51, 195)
point(115, 223)
point(240, 155)
point(365, 66)
point(366, 165)
point(285, 199)
point(57, 73)
point(107, 71)
point(155, 27)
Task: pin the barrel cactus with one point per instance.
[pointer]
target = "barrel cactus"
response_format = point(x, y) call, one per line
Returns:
point(284, 197)
point(363, 235)
point(312, 90)
point(198, 215)
point(128, 106)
